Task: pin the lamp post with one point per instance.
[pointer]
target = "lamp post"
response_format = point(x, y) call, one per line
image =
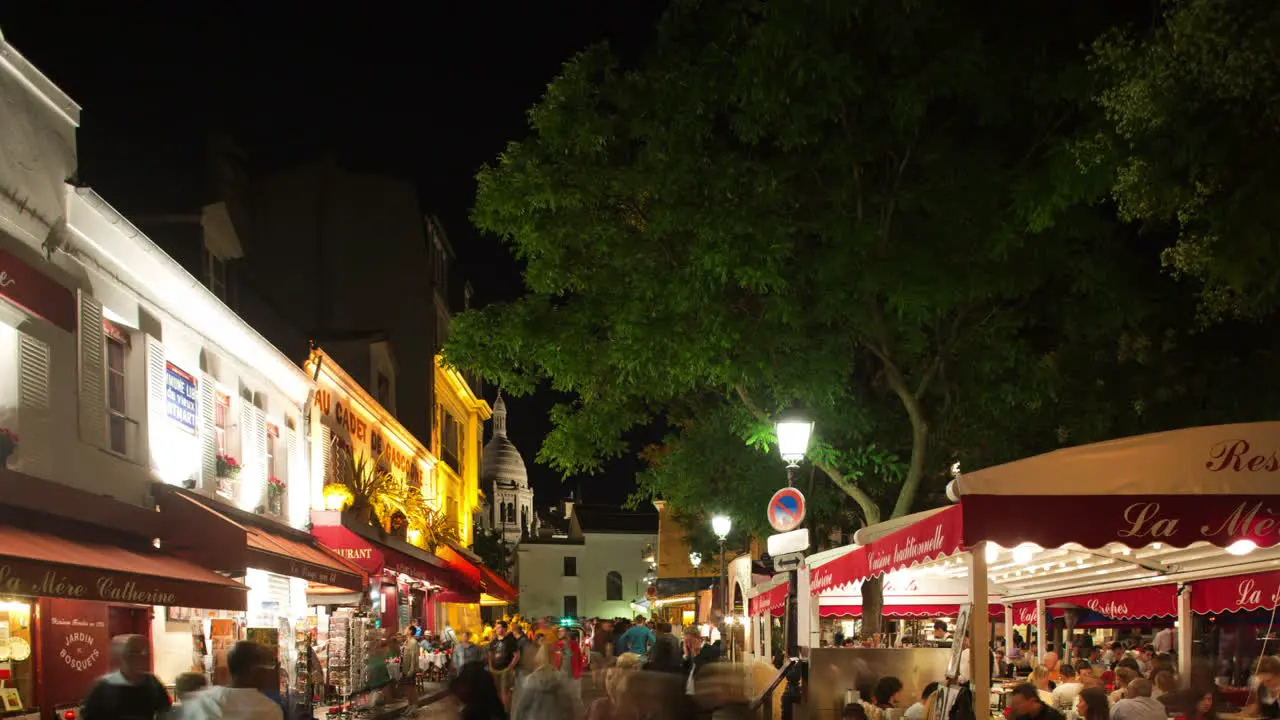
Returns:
point(793, 431)
point(695, 559)
point(720, 525)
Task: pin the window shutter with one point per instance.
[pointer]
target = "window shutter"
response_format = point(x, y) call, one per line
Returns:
point(250, 462)
point(295, 478)
point(156, 381)
point(326, 456)
point(91, 361)
point(35, 442)
point(208, 438)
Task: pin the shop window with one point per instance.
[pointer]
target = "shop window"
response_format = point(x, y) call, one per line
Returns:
point(570, 566)
point(613, 585)
point(221, 420)
point(571, 606)
point(117, 398)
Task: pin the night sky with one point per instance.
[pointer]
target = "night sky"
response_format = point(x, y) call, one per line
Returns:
point(429, 93)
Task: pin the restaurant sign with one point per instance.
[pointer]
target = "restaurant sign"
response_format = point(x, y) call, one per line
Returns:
point(1255, 591)
point(181, 397)
point(38, 293)
point(21, 577)
point(339, 414)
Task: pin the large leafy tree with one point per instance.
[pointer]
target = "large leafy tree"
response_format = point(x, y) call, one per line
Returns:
point(873, 210)
point(1194, 105)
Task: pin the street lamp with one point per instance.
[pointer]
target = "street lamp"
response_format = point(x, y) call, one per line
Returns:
point(695, 559)
point(794, 431)
point(720, 525)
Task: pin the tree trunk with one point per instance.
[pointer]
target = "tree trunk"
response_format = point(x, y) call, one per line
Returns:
point(872, 606)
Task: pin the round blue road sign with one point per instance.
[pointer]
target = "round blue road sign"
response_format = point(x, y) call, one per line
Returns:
point(786, 510)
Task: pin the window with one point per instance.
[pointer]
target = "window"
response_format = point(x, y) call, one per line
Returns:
point(383, 391)
point(450, 441)
point(571, 606)
point(221, 419)
point(215, 270)
point(613, 585)
point(117, 414)
point(571, 567)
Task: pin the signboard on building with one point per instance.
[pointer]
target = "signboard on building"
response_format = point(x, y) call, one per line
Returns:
point(181, 396)
point(76, 648)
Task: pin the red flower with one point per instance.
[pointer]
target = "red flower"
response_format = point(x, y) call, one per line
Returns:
point(276, 482)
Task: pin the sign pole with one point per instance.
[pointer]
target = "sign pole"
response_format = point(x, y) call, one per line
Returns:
point(791, 695)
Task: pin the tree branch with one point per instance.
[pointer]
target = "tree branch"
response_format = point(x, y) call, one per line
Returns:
point(760, 415)
point(870, 511)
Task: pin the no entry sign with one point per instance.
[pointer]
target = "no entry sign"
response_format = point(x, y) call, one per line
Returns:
point(786, 509)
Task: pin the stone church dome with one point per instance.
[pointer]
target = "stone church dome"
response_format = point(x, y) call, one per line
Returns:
point(502, 464)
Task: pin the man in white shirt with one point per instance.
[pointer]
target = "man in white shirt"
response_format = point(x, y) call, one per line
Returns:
point(916, 711)
point(1164, 641)
point(1065, 694)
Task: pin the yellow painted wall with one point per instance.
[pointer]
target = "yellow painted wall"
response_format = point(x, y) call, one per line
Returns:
point(454, 396)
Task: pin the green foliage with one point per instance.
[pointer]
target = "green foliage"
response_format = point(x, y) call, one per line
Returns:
point(876, 211)
point(1193, 105)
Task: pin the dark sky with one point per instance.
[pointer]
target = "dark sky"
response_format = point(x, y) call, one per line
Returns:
point(429, 91)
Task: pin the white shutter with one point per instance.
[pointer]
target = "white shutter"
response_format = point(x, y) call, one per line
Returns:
point(326, 455)
point(35, 441)
point(91, 362)
point(253, 456)
point(156, 415)
point(260, 454)
point(208, 436)
point(295, 478)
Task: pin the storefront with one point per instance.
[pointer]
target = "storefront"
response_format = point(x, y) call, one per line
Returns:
point(279, 564)
point(68, 585)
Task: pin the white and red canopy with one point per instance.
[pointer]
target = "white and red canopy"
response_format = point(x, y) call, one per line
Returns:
point(908, 596)
point(1212, 486)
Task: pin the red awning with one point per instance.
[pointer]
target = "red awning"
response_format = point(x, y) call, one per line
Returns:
point(497, 587)
point(301, 559)
point(53, 565)
point(936, 536)
point(374, 557)
point(772, 601)
point(900, 612)
point(1256, 591)
point(1131, 604)
point(459, 564)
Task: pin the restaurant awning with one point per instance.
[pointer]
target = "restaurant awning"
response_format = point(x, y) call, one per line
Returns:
point(935, 536)
point(772, 601)
point(493, 585)
point(374, 557)
point(908, 595)
point(59, 564)
point(1140, 603)
point(265, 545)
point(1252, 592)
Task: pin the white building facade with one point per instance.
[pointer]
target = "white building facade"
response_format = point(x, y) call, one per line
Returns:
point(595, 569)
point(120, 375)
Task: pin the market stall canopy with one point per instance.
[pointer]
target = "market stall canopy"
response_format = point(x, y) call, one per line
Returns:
point(1216, 485)
point(910, 595)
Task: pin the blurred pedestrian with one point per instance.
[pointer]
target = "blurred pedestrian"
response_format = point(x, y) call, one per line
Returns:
point(130, 692)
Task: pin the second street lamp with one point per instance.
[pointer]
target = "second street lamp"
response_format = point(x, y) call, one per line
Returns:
point(720, 525)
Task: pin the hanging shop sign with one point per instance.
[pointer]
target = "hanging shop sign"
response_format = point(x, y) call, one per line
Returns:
point(76, 642)
point(36, 292)
point(181, 395)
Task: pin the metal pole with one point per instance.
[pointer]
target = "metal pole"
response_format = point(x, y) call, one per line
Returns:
point(724, 586)
point(791, 694)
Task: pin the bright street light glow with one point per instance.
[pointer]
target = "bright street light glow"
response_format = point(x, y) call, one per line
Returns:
point(695, 559)
point(1242, 547)
point(721, 524)
point(793, 436)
